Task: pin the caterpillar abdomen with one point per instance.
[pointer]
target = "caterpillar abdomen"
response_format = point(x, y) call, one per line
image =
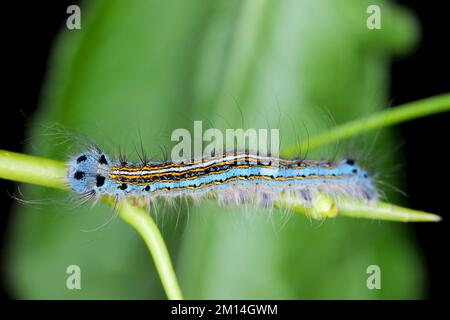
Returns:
point(232, 177)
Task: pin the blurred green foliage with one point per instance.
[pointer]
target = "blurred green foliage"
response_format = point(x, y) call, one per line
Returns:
point(153, 66)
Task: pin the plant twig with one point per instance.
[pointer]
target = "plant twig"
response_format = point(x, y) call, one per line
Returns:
point(34, 170)
point(381, 119)
point(324, 207)
point(144, 224)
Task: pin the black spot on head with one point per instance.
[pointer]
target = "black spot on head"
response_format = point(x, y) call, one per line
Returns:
point(147, 188)
point(81, 158)
point(365, 175)
point(123, 186)
point(355, 171)
point(350, 162)
point(100, 180)
point(102, 160)
point(79, 175)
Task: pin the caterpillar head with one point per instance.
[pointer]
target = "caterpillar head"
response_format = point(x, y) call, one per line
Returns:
point(87, 172)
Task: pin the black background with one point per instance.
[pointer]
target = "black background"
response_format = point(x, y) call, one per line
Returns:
point(31, 30)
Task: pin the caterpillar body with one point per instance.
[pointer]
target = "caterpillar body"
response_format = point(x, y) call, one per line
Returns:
point(233, 177)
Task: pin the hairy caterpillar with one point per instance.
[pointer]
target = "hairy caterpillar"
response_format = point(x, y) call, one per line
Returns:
point(239, 177)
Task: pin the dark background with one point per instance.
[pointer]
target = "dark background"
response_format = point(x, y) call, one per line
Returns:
point(31, 30)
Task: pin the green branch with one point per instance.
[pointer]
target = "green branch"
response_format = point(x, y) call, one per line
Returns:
point(144, 224)
point(323, 207)
point(381, 119)
point(34, 170)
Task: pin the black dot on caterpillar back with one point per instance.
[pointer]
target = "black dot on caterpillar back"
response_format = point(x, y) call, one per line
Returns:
point(350, 162)
point(81, 158)
point(79, 175)
point(103, 160)
point(123, 186)
point(100, 180)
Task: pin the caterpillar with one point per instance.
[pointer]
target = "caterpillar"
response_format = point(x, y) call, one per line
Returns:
point(231, 177)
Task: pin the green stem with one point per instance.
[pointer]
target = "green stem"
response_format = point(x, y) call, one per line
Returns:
point(30, 169)
point(324, 207)
point(378, 120)
point(51, 173)
point(148, 230)
point(385, 211)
